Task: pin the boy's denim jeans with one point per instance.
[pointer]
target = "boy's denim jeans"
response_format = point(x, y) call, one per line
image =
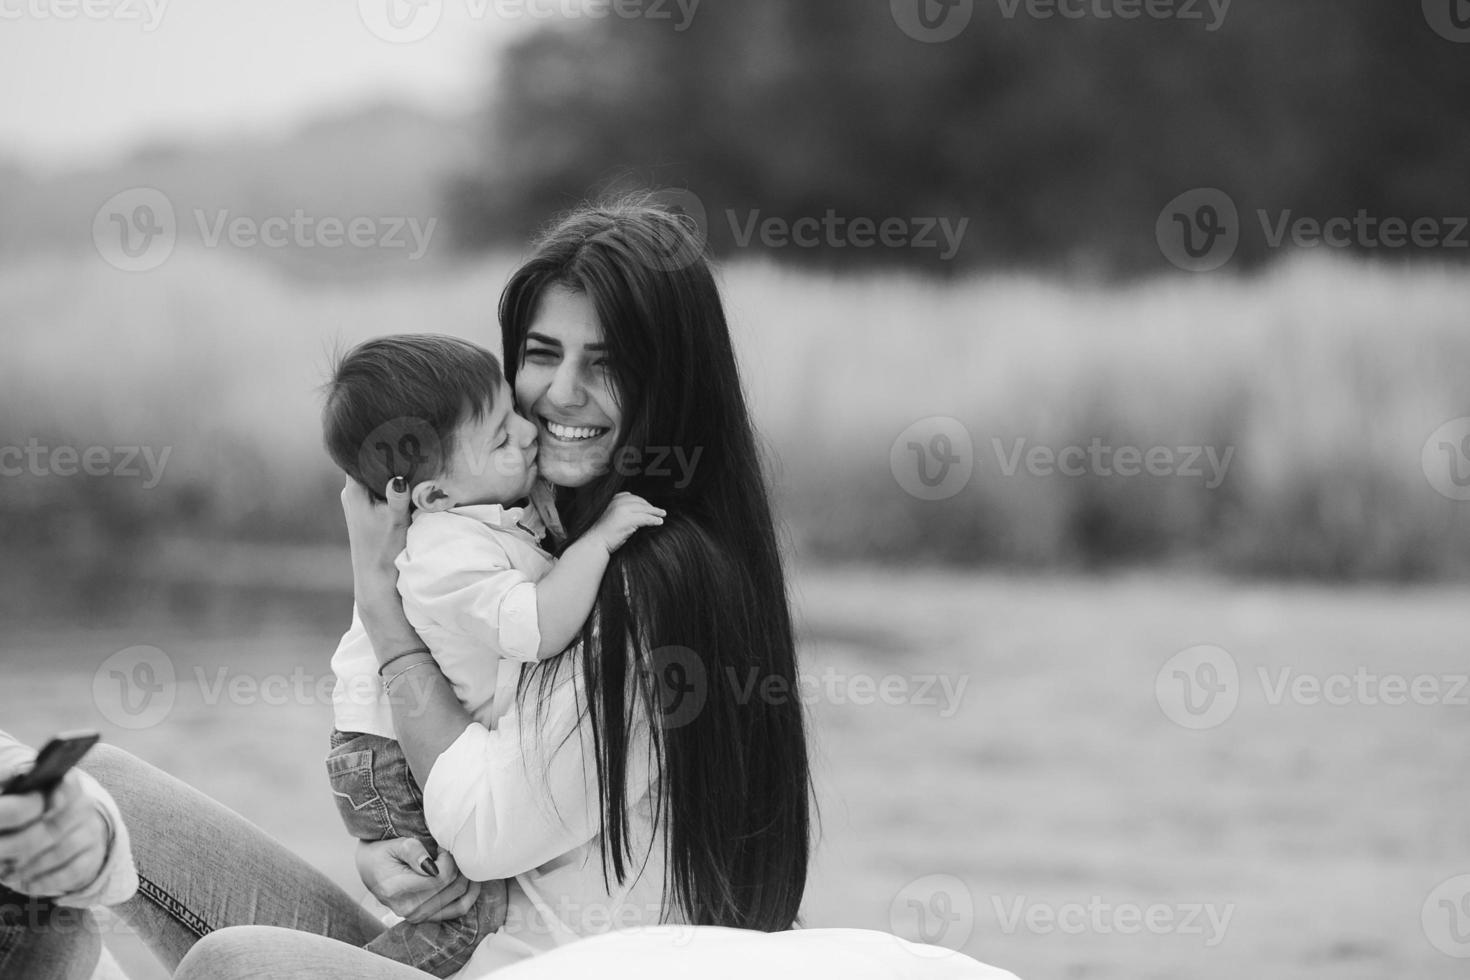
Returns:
point(379, 799)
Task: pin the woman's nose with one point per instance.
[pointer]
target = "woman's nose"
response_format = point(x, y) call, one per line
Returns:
point(566, 388)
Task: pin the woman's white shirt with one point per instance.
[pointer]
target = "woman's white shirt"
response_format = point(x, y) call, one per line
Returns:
point(524, 796)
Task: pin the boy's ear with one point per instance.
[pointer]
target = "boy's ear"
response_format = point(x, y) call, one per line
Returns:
point(430, 496)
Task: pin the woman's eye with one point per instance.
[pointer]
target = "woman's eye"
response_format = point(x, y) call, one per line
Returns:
point(540, 355)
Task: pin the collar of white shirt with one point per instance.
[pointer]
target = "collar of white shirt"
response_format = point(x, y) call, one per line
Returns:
point(523, 519)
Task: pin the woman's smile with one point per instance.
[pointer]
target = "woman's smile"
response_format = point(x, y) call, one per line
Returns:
point(572, 433)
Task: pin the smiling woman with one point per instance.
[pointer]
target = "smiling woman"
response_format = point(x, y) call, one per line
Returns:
point(565, 386)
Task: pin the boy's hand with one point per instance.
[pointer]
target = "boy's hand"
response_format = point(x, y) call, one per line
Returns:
point(626, 514)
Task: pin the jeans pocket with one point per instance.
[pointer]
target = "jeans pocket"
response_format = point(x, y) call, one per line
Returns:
point(356, 793)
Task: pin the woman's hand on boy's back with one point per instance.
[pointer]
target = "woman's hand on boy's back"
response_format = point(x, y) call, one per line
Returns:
point(624, 515)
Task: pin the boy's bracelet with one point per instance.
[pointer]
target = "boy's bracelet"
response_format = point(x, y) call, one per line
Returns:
point(383, 668)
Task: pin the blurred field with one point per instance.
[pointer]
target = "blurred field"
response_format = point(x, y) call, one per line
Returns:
point(1324, 377)
point(1057, 780)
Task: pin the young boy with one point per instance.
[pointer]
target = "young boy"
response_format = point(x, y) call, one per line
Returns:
point(475, 583)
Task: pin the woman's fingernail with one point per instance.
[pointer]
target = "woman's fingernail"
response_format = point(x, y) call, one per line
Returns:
point(428, 867)
point(400, 485)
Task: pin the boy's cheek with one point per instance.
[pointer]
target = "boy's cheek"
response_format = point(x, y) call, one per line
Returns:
point(509, 463)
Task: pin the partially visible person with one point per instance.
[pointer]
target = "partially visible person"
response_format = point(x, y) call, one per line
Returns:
point(61, 854)
point(435, 414)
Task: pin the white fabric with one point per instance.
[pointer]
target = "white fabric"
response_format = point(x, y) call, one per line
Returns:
point(710, 953)
point(520, 802)
point(467, 578)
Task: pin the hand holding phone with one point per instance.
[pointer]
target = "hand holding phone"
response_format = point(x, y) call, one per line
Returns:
point(54, 838)
point(52, 763)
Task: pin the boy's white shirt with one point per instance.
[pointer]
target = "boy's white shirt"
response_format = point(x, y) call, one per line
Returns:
point(467, 578)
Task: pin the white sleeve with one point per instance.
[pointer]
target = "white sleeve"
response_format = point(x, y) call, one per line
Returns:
point(507, 801)
point(466, 584)
point(118, 879)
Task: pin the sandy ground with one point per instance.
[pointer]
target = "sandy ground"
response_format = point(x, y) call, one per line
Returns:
point(996, 769)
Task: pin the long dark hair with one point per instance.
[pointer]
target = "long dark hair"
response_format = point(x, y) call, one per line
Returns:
point(699, 604)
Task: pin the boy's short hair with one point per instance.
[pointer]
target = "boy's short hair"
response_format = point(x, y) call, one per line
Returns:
point(394, 403)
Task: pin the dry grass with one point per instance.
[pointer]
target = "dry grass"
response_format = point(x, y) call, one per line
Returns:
point(1326, 378)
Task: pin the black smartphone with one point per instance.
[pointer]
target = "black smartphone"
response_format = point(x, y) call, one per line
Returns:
point(52, 763)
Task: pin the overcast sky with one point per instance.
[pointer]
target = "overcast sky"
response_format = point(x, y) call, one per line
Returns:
point(82, 81)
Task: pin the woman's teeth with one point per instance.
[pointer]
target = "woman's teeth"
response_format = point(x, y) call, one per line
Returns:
point(568, 433)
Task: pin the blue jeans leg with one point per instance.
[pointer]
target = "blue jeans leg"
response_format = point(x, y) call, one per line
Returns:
point(42, 941)
point(259, 952)
point(203, 867)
